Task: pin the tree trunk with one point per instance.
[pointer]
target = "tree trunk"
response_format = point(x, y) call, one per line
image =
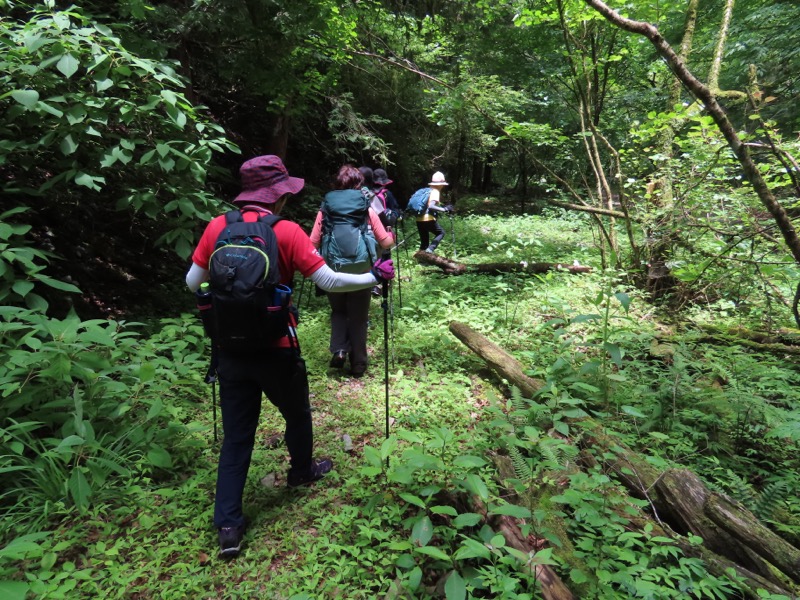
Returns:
point(749, 167)
point(678, 498)
point(452, 267)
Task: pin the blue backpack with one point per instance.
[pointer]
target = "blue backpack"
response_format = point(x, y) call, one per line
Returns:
point(418, 203)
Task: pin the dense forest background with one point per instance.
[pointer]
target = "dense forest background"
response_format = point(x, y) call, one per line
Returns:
point(663, 135)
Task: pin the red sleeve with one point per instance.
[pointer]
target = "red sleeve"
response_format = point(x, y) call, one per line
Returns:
point(207, 242)
point(296, 251)
point(316, 232)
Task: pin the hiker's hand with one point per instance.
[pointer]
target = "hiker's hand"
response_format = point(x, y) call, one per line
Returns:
point(449, 209)
point(383, 270)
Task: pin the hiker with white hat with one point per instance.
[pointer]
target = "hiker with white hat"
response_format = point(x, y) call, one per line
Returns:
point(426, 222)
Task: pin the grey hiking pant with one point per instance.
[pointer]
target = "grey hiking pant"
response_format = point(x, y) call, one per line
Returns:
point(349, 317)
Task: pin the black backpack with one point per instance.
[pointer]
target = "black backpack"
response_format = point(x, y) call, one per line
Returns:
point(243, 274)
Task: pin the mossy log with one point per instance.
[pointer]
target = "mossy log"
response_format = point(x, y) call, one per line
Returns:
point(732, 535)
point(498, 359)
point(452, 267)
point(781, 342)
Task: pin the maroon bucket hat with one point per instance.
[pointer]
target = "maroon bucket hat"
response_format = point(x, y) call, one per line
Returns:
point(265, 180)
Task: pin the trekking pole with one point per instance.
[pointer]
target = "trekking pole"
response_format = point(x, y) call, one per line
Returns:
point(211, 377)
point(385, 305)
point(453, 229)
point(399, 285)
point(391, 320)
point(403, 227)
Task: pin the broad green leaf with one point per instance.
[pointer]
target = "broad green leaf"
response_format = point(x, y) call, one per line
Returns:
point(79, 488)
point(473, 483)
point(159, 457)
point(614, 352)
point(414, 579)
point(422, 532)
point(28, 98)
point(68, 145)
point(14, 590)
point(68, 65)
point(147, 372)
point(24, 546)
point(472, 549)
point(624, 299)
point(169, 97)
point(59, 285)
point(467, 520)
point(155, 409)
point(455, 588)
point(634, 412)
point(433, 552)
point(373, 457)
point(102, 85)
point(412, 499)
point(69, 442)
point(444, 510)
point(22, 287)
point(469, 461)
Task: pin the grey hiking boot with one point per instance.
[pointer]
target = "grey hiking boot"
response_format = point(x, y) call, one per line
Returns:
point(317, 470)
point(230, 541)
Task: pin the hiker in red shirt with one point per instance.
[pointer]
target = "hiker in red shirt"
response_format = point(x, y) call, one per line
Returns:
point(278, 372)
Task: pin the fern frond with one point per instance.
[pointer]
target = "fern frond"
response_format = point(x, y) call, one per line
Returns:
point(523, 467)
point(771, 498)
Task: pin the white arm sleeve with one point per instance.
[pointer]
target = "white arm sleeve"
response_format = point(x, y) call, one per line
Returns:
point(195, 277)
point(331, 281)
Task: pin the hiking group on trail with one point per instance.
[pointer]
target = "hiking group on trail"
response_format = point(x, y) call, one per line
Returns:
point(241, 271)
point(246, 367)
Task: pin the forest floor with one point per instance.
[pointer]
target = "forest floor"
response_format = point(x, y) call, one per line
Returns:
point(376, 524)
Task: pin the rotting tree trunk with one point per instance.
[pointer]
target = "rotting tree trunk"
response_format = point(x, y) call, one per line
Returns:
point(678, 497)
point(452, 267)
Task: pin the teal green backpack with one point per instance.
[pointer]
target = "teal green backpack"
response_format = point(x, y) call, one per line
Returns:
point(348, 245)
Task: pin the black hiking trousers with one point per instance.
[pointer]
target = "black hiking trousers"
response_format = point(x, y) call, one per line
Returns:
point(425, 229)
point(281, 375)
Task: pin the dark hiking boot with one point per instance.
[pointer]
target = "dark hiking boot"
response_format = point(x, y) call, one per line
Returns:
point(338, 358)
point(230, 541)
point(358, 370)
point(317, 470)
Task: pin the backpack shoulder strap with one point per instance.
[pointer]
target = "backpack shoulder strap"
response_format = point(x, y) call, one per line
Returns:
point(270, 219)
point(233, 216)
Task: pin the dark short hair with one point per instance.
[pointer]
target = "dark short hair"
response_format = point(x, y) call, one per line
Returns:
point(369, 180)
point(348, 178)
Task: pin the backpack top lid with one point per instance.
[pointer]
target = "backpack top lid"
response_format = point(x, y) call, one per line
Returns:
point(345, 206)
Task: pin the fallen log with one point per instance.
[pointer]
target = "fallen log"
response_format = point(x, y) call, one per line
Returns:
point(732, 535)
point(498, 359)
point(452, 267)
point(782, 342)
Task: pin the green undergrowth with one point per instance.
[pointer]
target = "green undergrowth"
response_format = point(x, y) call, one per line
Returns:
point(109, 458)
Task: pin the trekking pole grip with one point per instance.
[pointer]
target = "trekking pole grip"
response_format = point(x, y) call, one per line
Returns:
point(385, 255)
